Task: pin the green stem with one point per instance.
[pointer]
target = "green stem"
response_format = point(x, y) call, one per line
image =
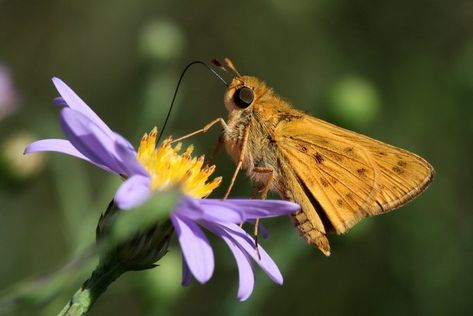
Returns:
point(91, 290)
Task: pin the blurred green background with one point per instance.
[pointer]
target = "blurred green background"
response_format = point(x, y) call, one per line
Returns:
point(399, 71)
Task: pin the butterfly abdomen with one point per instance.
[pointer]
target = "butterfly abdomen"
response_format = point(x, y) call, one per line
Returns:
point(309, 233)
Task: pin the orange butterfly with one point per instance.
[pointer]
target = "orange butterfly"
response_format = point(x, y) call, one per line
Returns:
point(336, 175)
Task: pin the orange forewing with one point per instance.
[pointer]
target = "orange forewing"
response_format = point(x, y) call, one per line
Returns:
point(350, 175)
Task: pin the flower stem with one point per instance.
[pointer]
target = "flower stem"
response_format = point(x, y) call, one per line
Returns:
point(90, 291)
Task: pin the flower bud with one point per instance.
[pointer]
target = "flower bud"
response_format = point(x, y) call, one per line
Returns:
point(143, 250)
point(15, 168)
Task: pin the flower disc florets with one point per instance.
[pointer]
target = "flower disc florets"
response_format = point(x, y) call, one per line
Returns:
point(168, 168)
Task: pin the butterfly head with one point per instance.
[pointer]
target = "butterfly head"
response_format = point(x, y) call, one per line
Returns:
point(243, 91)
point(240, 94)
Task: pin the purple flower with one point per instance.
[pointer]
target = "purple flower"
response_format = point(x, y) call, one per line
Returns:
point(8, 96)
point(222, 217)
point(155, 169)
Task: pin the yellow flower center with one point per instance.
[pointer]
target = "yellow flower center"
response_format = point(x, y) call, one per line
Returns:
point(168, 168)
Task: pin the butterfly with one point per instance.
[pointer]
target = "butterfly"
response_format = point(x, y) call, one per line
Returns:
point(337, 176)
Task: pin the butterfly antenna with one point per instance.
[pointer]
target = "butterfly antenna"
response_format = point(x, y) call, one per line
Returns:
point(197, 62)
point(218, 64)
point(230, 65)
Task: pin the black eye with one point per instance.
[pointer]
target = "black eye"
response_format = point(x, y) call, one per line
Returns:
point(243, 97)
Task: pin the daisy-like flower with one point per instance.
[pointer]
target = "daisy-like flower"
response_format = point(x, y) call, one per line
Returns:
point(160, 168)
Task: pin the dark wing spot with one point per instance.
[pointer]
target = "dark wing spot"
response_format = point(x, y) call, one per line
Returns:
point(402, 163)
point(324, 182)
point(284, 116)
point(398, 170)
point(361, 171)
point(349, 150)
point(318, 158)
point(339, 202)
point(303, 149)
point(382, 153)
point(350, 197)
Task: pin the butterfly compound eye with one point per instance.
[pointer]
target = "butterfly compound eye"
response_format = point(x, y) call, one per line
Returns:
point(243, 97)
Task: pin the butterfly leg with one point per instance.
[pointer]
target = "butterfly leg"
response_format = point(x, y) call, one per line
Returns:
point(258, 189)
point(203, 129)
point(268, 172)
point(243, 145)
point(268, 181)
point(217, 148)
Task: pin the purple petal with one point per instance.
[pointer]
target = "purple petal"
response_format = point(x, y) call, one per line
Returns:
point(186, 273)
point(59, 145)
point(245, 270)
point(208, 209)
point(88, 138)
point(59, 101)
point(62, 146)
point(76, 103)
point(126, 157)
point(264, 208)
point(247, 243)
point(133, 192)
point(195, 248)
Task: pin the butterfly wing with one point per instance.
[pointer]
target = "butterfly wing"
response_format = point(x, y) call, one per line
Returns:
point(346, 175)
point(310, 220)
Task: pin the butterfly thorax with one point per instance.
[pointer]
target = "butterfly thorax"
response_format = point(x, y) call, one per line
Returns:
point(262, 119)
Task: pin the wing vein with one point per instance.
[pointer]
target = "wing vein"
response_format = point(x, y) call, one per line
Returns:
point(345, 185)
point(398, 183)
point(341, 154)
point(346, 169)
